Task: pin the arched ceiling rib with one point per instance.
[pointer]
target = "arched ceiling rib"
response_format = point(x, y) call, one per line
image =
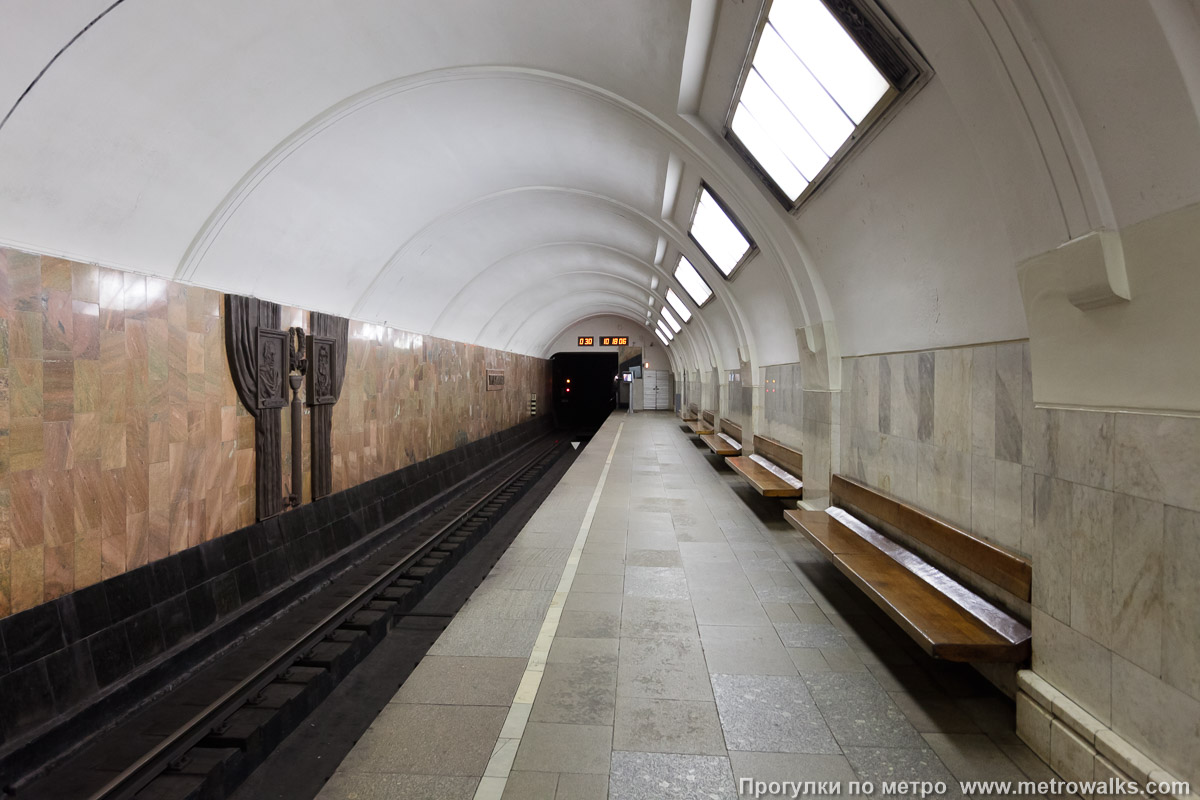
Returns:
point(372, 160)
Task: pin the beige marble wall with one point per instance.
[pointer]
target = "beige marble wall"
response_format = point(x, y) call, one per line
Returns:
point(1107, 506)
point(949, 431)
point(808, 419)
point(122, 439)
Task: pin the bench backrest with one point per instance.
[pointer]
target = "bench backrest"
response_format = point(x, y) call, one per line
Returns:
point(693, 409)
point(1008, 571)
point(774, 450)
point(732, 429)
point(708, 418)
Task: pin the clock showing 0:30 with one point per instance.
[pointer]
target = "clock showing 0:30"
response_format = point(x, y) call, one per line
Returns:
point(587, 341)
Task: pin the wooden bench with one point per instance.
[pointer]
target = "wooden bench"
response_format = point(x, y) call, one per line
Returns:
point(727, 441)
point(946, 619)
point(774, 470)
point(704, 425)
point(690, 413)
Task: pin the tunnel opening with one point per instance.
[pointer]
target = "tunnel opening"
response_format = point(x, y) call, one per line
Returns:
point(586, 390)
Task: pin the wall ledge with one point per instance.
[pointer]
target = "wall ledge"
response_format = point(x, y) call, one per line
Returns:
point(1076, 745)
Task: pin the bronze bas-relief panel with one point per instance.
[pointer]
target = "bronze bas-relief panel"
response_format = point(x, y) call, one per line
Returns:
point(272, 349)
point(322, 355)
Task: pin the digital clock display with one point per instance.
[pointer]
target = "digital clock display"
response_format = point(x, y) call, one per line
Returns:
point(614, 341)
point(587, 341)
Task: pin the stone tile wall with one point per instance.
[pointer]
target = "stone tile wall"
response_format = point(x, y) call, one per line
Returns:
point(1107, 505)
point(802, 418)
point(122, 439)
point(949, 430)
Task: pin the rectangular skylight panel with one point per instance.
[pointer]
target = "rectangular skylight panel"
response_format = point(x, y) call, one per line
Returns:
point(663, 338)
point(662, 326)
point(670, 318)
point(783, 129)
point(830, 54)
point(717, 234)
point(692, 283)
point(767, 153)
point(677, 304)
point(804, 96)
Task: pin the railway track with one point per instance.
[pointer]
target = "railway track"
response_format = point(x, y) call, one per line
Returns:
point(205, 736)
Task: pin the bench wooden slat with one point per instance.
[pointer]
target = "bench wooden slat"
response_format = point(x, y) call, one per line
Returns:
point(774, 450)
point(763, 480)
point(719, 445)
point(1010, 572)
point(704, 426)
point(942, 627)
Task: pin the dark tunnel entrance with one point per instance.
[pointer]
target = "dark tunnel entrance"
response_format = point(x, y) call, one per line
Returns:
point(585, 389)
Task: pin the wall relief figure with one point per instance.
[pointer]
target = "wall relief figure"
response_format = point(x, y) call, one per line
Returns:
point(257, 354)
point(327, 348)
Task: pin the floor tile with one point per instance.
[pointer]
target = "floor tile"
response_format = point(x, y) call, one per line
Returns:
point(650, 617)
point(574, 786)
point(933, 712)
point(664, 583)
point(385, 786)
point(476, 636)
point(531, 786)
point(879, 764)
point(666, 668)
point(859, 712)
point(463, 681)
point(745, 650)
point(659, 776)
point(594, 602)
point(549, 747)
point(598, 583)
point(653, 558)
point(668, 726)
point(809, 634)
point(770, 713)
point(428, 740)
point(600, 564)
point(973, 757)
point(491, 603)
point(589, 652)
point(589, 625)
point(783, 768)
point(576, 693)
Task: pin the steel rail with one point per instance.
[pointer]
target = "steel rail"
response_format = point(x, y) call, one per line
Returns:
point(155, 762)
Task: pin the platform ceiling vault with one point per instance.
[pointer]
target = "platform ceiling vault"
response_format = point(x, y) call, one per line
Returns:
point(492, 172)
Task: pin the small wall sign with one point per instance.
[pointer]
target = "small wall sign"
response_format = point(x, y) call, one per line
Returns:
point(495, 380)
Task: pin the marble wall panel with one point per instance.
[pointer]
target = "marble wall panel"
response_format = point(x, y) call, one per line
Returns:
point(122, 439)
point(1137, 586)
point(1181, 600)
point(1106, 505)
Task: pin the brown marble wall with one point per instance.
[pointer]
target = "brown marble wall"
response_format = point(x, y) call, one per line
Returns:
point(122, 439)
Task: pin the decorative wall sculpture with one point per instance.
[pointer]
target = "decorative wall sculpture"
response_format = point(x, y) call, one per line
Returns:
point(327, 348)
point(258, 362)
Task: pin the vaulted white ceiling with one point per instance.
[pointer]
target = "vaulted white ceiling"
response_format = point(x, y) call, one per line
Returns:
point(492, 172)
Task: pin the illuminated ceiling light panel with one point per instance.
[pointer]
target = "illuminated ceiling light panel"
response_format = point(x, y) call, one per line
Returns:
point(670, 318)
point(809, 88)
point(677, 304)
point(718, 235)
point(693, 284)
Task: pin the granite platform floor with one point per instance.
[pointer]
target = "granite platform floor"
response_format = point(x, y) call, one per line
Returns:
point(657, 631)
